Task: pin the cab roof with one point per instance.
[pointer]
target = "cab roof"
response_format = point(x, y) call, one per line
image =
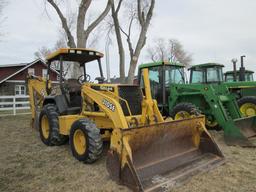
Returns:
point(206, 65)
point(153, 64)
point(80, 55)
point(232, 72)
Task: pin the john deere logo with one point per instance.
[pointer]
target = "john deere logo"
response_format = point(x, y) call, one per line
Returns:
point(108, 105)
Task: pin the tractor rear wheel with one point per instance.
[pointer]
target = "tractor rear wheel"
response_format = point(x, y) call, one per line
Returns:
point(184, 111)
point(85, 141)
point(49, 126)
point(247, 105)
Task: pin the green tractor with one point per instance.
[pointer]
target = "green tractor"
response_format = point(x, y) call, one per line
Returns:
point(207, 94)
point(238, 75)
point(243, 90)
point(230, 76)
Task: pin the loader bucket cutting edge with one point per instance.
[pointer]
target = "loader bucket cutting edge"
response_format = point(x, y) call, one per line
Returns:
point(159, 157)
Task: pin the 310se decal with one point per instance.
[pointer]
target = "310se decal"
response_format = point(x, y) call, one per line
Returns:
point(108, 105)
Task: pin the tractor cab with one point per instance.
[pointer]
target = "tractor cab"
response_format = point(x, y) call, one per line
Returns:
point(229, 76)
point(161, 75)
point(207, 73)
point(69, 95)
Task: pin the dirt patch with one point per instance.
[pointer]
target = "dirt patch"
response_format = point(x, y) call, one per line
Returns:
point(28, 165)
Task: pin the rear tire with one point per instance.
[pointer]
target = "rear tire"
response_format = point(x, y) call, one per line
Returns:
point(85, 141)
point(49, 126)
point(184, 111)
point(247, 105)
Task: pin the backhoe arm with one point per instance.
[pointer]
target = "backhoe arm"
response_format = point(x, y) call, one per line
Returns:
point(37, 92)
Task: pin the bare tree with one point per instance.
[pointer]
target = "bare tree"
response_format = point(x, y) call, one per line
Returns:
point(44, 51)
point(142, 12)
point(171, 50)
point(82, 30)
point(116, 24)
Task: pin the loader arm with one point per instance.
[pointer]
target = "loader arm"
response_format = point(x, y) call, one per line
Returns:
point(150, 107)
point(221, 104)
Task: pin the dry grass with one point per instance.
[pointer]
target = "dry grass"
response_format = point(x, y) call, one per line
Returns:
point(18, 112)
point(28, 165)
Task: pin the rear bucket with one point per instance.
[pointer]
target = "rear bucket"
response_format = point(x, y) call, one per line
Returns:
point(162, 156)
point(241, 132)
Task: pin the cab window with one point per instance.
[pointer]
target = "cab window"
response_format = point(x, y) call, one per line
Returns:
point(197, 76)
point(214, 74)
point(173, 75)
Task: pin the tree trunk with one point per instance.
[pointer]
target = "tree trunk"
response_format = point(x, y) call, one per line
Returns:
point(82, 33)
point(133, 64)
point(144, 24)
point(119, 41)
point(76, 71)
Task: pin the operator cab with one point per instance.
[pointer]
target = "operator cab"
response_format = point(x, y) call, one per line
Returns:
point(206, 73)
point(161, 75)
point(69, 99)
point(229, 76)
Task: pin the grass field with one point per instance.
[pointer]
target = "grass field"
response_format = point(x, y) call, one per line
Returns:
point(28, 165)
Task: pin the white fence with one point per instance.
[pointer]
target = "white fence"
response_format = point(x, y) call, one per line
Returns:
point(12, 105)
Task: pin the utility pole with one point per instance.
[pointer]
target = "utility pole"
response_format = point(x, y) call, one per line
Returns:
point(108, 43)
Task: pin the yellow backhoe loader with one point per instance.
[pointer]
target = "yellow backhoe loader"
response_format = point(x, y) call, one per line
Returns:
point(146, 153)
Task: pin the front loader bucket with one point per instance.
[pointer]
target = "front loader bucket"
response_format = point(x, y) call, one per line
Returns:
point(240, 131)
point(161, 156)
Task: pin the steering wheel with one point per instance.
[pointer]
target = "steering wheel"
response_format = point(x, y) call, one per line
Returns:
point(81, 78)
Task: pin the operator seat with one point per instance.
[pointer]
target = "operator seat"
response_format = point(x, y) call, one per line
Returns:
point(73, 85)
point(73, 95)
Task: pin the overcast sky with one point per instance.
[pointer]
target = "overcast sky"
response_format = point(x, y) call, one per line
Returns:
point(212, 31)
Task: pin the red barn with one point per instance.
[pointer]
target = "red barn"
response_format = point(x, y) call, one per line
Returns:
point(13, 76)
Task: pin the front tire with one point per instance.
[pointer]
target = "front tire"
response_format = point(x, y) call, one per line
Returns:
point(85, 141)
point(49, 126)
point(184, 111)
point(247, 105)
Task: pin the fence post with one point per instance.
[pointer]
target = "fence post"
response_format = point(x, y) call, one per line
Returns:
point(14, 105)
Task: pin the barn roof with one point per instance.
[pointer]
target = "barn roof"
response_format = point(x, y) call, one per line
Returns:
point(13, 65)
point(14, 69)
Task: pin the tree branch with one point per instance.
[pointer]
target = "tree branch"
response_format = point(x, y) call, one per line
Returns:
point(118, 6)
point(92, 26)
point(140, 15)
point(71, 42)
point(83, 7)
point(150, 11)
point(129, 37)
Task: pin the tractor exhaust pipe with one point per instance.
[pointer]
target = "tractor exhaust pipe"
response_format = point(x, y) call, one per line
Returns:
point(242, 69)
point(234, 61)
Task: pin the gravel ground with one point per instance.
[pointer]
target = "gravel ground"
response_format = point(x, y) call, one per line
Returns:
point(28, 165)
